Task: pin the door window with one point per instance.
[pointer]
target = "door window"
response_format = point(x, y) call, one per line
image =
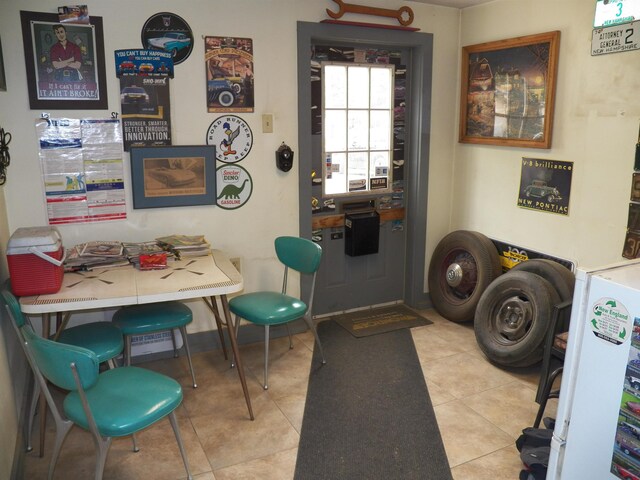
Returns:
point(357, 113)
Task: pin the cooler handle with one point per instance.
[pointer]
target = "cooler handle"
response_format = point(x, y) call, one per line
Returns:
point(46, 257)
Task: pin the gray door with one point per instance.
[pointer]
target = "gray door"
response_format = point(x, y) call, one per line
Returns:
point(396, 272)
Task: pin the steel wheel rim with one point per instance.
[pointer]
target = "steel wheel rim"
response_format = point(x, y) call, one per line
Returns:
point(512, 321)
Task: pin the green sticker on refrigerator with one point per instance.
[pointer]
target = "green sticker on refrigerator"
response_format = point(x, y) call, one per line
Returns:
point(610, 321)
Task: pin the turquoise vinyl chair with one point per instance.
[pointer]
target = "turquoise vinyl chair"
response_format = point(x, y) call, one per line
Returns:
point(102, 338)
point(153, 318)
point(116, 403)
point(277, 308)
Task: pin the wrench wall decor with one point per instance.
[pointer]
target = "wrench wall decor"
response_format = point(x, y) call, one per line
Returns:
point(404, 15)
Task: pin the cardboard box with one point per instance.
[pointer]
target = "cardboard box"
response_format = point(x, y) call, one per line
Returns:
point(35, 256)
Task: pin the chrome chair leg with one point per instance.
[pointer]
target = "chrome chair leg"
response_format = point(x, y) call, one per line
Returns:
point(183, 452)
point(183, 332)
point(35, 396)
point(62, 429)
point(290, 338)
point(127, 350)
point(266, 357)
point(310, 324)
point(102, 448)
point(173, 340)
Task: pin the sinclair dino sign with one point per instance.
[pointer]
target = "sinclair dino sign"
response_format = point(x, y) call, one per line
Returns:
point(234, 186)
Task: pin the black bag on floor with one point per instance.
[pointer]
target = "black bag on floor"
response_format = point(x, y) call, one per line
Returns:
point(534, 446)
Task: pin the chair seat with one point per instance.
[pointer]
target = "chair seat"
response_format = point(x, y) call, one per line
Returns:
point(267, 308)
point(152, 317)
point(116, 403)
point(102, 338)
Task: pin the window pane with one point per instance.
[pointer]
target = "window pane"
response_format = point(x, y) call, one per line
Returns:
point(380, 130)
point(358, 170)
point(335, 130)
point(380, 164)
point(335, 86)
point(358, 129)
point(335, 178)
point(358, 87)
point(380, 88)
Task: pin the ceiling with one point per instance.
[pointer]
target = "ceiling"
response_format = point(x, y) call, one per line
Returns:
point(454, 3)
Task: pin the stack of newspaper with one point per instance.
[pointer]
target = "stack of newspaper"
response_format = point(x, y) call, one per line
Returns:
point(185, 245)
point(98, 254)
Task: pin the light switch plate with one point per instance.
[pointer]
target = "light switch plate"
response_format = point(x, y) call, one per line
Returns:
point(267, 123)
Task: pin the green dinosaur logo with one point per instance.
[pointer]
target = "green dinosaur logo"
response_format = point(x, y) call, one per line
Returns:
point(232, 191)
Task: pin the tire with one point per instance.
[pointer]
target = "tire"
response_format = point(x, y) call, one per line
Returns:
point(174, 52)
point(463, 265)
point(226, 98)
point(237, 88)
point(558, 276)
point(512, 318)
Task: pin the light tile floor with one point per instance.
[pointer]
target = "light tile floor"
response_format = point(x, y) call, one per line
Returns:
point(481, 409)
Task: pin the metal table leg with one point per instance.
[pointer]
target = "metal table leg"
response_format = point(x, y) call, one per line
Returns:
point(213, 306)
point(236, 353)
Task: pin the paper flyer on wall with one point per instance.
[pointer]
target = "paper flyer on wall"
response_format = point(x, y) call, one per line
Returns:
point(146, 111)
point(82, 170)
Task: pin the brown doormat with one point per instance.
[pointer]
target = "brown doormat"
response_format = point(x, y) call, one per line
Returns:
point(380, 320)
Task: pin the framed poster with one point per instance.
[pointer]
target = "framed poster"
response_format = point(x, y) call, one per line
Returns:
point(65, 63)
point(507, 91)
point(229, 66)
point(173, 176)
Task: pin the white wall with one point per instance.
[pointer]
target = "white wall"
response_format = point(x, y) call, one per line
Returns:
point(597, 113)
point(272, 210)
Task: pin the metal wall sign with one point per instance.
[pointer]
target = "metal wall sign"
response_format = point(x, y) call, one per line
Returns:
point(234, 186)
point(616, 39)
point(612, 12)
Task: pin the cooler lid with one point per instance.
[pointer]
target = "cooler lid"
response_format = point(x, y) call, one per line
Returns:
point(46, 239)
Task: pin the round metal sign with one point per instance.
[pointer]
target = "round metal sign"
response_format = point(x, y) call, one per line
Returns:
point(170, 33)
point(232, 138)
point(234, 185)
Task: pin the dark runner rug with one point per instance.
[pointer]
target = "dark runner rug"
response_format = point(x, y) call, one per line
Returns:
point(368, 414)
point(380, 320)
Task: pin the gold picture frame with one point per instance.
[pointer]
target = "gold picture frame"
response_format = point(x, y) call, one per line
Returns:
point(507, 93)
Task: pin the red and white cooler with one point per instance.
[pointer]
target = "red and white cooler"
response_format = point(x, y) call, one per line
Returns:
point(35, 256)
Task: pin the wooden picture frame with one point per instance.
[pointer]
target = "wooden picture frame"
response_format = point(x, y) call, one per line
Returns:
point(173, 176)
point(64, 83)
point(507, 92)
point(3, 78)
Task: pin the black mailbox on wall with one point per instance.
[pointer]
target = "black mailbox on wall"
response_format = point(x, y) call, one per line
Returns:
point(362, 233)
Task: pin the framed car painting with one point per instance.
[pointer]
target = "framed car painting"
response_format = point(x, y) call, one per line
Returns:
point(64, 62)
point(507, 91)
point(173, 176)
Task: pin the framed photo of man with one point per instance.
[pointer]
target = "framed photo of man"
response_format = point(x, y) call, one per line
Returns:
point(65, 62)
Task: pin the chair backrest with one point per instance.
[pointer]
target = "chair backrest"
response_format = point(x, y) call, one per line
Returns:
point(299, 254)
point(54, 361)
point(14, 306)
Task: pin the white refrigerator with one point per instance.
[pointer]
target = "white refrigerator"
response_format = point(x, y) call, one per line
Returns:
point(597, 431)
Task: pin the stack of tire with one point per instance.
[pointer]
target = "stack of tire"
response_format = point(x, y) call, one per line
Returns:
point(512, 311)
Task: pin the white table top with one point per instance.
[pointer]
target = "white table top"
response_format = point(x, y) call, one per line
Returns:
point(195, 277)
